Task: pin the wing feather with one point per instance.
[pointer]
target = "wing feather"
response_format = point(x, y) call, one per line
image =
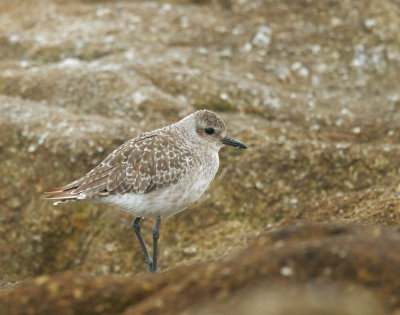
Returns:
point(140, 165)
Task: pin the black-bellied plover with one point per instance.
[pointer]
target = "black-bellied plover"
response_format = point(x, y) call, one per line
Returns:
point(156, 174)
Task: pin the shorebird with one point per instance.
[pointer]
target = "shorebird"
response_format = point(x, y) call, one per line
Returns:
point(156, 174)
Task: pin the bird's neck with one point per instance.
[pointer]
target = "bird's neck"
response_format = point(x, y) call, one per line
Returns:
point(183, 129)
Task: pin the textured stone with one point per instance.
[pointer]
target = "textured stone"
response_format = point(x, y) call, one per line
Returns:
point(319, 255)
point(318, 108)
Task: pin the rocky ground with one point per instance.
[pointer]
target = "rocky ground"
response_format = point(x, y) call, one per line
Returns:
point(306, 220)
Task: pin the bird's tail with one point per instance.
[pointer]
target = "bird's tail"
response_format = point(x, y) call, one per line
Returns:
point(61, 194)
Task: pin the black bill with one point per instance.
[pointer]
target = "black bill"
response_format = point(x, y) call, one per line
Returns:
point(233, 143)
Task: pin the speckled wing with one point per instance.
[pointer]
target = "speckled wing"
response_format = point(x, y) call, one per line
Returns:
point(140, 165)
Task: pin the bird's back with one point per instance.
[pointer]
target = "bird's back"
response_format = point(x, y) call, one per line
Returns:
point(157, 173)
point(149, 162)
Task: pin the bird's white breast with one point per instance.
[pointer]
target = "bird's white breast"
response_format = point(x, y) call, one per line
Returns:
point(171, 199)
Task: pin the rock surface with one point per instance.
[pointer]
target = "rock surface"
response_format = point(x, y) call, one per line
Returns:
point(310, 86)
point(306, 259)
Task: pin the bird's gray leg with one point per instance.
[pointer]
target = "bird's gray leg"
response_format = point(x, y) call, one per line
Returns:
point(136, 228)
point(156, 235)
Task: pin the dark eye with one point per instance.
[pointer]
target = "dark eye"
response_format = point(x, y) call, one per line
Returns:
point(209, 131)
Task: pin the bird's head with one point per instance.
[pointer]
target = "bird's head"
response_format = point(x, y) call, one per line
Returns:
point(211, 129)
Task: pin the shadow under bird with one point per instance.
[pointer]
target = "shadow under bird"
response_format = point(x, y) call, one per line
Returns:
point(156, 174)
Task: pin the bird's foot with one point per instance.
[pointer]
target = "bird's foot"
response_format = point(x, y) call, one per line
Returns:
point(150, 268)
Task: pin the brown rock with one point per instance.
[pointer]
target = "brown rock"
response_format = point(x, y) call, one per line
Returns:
point(310, 86)
point(297, 262)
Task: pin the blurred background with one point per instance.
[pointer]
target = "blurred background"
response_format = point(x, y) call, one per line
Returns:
point(310, 86)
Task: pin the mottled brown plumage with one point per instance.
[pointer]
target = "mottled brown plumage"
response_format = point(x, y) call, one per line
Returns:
point(150, 162)
point(156, 174)
point(138, 166)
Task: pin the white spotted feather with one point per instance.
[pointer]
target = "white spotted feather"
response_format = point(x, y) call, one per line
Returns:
point(157, 173)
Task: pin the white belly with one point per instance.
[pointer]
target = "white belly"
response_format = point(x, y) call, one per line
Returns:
point(170, 200)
